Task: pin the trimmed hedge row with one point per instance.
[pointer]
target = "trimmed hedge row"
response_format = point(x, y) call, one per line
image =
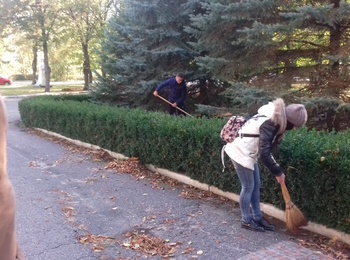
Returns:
point(317, 164)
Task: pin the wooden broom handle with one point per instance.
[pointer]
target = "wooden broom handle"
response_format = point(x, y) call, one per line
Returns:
point(183, 111)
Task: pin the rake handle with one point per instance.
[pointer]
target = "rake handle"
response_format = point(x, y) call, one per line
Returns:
point(183, 111)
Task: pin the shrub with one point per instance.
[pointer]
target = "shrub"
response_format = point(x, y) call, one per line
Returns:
point(316, 163)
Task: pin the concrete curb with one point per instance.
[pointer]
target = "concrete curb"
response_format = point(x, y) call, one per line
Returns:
point(266, 208)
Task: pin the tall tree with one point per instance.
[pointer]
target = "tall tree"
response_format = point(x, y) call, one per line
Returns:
point(39, 19)
point(219, 38)
point(240, 39)
point(323, 28)
point(87, 19)
point(145, 44)
point(47, 15)
point(7, 8)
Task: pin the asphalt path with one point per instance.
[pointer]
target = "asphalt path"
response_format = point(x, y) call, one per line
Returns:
point(70, 207)
point(21, 83)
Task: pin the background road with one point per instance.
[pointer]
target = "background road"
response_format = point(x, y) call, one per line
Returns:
point(70, 207)
point(21, 83)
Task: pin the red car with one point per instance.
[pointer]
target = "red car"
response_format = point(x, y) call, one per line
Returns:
point(5, 81)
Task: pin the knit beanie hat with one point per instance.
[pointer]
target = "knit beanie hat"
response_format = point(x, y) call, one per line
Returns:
point(296, 114)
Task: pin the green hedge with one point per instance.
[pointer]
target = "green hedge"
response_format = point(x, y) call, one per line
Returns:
point(317, 164)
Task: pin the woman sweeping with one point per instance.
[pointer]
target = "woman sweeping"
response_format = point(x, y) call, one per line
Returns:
point(269, 124)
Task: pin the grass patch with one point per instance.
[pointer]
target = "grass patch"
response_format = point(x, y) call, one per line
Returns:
point(31, 90)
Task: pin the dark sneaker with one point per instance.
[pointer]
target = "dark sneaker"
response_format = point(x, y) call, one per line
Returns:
point(265, 224)
point(252, 226)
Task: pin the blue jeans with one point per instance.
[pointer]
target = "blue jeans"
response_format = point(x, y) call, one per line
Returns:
point(250, 192)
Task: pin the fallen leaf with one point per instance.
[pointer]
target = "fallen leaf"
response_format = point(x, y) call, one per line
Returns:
point(83, 240)
point(187, 250)
point(32, 164)
point(150, 245)
point(200, 252)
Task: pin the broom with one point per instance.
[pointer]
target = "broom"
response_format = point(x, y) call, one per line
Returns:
point(294, 217)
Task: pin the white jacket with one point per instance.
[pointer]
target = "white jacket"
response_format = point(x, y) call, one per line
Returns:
point(244, 150)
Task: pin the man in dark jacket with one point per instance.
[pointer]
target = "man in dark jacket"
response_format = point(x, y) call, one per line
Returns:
point(177, 95)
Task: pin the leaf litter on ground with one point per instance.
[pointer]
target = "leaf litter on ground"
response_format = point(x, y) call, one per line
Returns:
point(328, 246)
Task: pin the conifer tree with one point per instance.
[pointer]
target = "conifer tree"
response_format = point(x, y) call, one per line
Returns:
point(318, 36)
point(241, 39)
point(144, 45)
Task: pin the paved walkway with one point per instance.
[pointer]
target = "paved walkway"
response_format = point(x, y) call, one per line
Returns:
point(285, 250)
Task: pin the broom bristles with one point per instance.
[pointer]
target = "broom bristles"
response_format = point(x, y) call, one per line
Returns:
point(294, 217)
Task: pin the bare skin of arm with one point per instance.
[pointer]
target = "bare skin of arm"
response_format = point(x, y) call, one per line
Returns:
point(8, 245)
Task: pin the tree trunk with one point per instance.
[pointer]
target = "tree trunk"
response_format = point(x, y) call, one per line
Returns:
point(104, 74)
point(334, 42)
point(44, 36)
point(334, 47)
point(47, 67)
point(34, 64)
point(203, 97)
point(86, 66)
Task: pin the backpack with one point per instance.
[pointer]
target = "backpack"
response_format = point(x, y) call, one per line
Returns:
point(230, 130)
